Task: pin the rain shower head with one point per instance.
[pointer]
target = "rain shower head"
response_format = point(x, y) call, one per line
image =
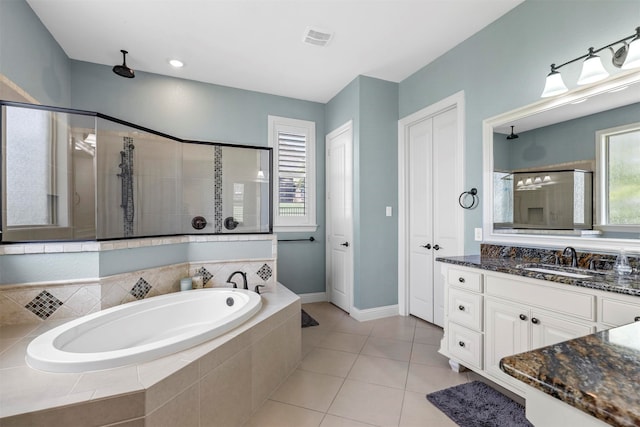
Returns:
point(123, 70)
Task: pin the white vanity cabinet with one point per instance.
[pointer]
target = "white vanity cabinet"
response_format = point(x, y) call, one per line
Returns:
point(464, 316)
point(515, 328)
point(617, 310)
point(490, 315)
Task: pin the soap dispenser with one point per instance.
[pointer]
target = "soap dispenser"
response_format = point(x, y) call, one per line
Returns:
point(621, 265)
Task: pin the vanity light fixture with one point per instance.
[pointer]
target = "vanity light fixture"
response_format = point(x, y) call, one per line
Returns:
point(176, 63)
point(626, 57)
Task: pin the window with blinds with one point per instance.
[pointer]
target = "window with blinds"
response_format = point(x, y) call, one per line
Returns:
point(294, 169)
point(292, 173)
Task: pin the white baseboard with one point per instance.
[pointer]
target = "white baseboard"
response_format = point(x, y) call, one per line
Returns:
point(374, 313)
point(313, 297)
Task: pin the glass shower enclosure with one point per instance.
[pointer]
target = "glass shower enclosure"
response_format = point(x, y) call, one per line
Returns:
point(77, 175)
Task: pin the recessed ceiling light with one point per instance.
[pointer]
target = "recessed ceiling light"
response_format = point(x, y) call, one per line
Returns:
point(176, 63)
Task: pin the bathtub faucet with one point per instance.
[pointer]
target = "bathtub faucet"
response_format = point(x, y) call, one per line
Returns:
point(244, 279)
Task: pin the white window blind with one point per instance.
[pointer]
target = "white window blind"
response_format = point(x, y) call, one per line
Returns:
point(294, 163)
point(292, 174)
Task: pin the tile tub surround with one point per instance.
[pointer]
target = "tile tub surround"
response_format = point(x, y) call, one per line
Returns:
point(45, 302)
point(225, 379)
point(597, 373)
point(506, 259)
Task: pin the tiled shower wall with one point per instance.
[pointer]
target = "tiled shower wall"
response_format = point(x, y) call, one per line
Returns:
point(50, 301)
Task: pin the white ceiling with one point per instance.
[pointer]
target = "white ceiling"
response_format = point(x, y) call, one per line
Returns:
point(257, 44)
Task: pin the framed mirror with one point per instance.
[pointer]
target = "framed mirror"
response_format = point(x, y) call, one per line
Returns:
point(565, 133)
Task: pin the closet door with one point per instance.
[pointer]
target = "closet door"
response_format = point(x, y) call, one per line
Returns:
point(420, 274)
point(447, 177)
point(434, 220)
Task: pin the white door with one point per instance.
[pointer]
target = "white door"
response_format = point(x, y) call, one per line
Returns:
point(434, 221)
point(447, 223)
point(420, 220)
point(339, 183)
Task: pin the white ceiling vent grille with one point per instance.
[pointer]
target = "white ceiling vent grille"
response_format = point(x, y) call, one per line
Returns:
point(316, 36)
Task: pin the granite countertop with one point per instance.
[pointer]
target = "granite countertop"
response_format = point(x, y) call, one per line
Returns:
point(605, 280)
point(596, 373)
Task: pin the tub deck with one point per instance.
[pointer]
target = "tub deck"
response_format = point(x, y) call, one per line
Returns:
point(251, 360)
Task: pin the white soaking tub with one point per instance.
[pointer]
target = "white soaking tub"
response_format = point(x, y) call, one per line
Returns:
point(141, 331)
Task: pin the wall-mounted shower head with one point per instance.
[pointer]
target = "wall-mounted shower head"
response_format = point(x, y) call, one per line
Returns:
point(123, 70)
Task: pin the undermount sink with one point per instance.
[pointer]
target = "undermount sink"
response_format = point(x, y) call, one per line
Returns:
point(558, 272)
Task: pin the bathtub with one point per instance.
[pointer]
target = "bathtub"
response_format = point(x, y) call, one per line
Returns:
point(141, 331)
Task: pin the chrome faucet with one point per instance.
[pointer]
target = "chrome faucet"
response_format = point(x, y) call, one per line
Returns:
point(244, 279)
point(574, 256)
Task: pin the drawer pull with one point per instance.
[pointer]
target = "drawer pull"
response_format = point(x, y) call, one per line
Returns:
point(534, 321)
point(461, 343)
point(461, 308)
point(523, 317)
point(636, 319)
point(461, 279)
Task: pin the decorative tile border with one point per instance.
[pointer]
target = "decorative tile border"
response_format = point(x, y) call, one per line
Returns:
point(44, 305)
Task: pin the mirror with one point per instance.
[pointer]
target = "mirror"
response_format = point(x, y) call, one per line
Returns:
point(69, 175)
point(553, 135)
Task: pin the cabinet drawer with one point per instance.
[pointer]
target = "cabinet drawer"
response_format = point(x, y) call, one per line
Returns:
point(562, 301)
point(465, 279)
point(616, 313)
point(465, 308)
point(465, 345)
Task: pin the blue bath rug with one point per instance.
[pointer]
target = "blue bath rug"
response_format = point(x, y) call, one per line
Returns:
point(308, 320)
point(475, 404)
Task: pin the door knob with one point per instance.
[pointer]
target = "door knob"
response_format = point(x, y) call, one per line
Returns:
point(345, 244)
point(427, 246)
point(436, 247)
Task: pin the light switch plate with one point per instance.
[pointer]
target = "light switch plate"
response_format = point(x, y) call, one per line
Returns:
point(389, 211)
point(478, 234)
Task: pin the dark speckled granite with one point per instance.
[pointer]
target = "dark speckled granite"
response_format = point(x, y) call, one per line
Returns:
point(513, 260)
point(597, 374)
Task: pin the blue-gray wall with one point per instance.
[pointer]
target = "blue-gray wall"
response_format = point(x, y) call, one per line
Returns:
point(372, 105)
point(504, 67)
point(202, 111)
point(30, 56)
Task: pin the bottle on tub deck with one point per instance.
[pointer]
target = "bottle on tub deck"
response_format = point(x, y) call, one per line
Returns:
point(186, 284)
point(198, 282)
point(621, 265)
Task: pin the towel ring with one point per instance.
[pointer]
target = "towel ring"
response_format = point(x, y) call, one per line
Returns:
point(474, 199)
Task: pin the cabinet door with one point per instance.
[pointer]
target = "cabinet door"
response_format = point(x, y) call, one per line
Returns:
point(507, 332)
point(547, 329)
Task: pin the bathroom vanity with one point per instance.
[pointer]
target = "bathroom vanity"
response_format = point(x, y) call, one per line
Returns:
point(497, 306)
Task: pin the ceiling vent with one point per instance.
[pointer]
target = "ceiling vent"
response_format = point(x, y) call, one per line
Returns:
point(316, 37)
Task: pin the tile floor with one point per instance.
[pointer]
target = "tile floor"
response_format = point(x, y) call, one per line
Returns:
point(352, 374)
